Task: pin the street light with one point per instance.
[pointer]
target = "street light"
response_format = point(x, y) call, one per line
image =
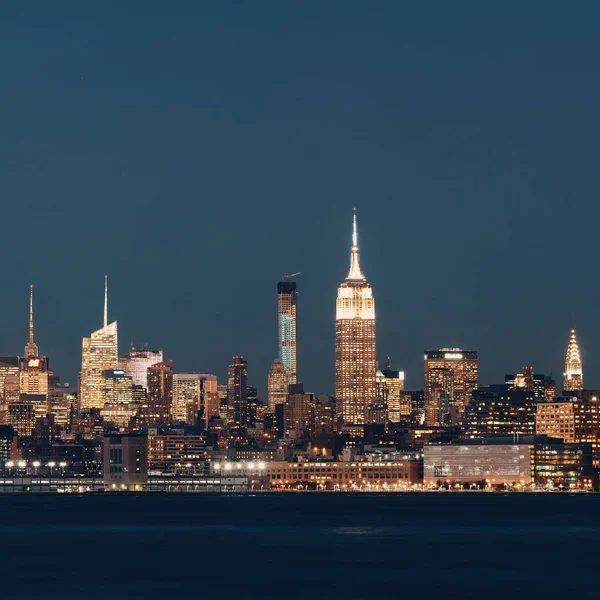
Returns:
point(36, 464)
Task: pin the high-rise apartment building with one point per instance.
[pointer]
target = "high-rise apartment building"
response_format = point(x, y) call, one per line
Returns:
point(187, 398)
point(237, 392)
point(573, 379)
point(209, 399)
point(455, 371)
point(277, 385)
point(136, 364)
point(160, 394)
point(99, 354)
point(355, 363)
point(286, 313)
point(299, 412)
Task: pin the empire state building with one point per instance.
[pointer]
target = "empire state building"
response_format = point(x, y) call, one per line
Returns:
point(355, 364)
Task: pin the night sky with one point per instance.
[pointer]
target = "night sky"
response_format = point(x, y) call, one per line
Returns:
point(198, 151)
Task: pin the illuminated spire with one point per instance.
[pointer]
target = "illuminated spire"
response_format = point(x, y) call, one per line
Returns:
point(105, 300)
point(573, 379)
point(355, 272)
point(31, 349)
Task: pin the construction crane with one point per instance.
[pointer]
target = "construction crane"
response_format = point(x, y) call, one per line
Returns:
point(286, 276)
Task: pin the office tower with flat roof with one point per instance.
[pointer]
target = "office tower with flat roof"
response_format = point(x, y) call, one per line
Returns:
point(136, 364)
point(299, 412)
point(277, 385)
point(355, 363)
point(573, 378)
point(390, 385)
point(286, 319)
point(118, 397)
point(157, 409)
point(99, 354)
point(500, 410)
point(237, 392)
point(456, 372)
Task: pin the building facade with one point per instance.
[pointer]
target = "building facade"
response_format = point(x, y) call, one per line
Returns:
point(500, 410)
point(157, 410)
point(277, 385)
point(390, 385)
point(237, 392)
point(136, 364)
point(476, 461)
point(125, 459)
point(573, 378)
point(187, 398)
point(176, 451)
point(355, 348)
point(287, 297)
point(454, 371)
point(99, 353)
point(528, 380)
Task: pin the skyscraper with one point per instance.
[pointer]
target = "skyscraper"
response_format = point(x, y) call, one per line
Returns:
point(453, 371)
point(237, 392)
point(187, 397)
point(99, 353)
point(355, 364)
point(390, 385)
point(117, 392)
point(160, 394)
point(573, 379)
point(277, 384)
point(136, 364)
point(286, 331)
point(33, 375)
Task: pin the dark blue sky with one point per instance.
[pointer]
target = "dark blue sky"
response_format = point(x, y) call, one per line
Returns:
point(197, 151)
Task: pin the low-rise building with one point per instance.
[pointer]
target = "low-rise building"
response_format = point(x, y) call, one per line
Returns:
point(495, 460)
point(345, 475)
point(509, 460)
point(125, 462)
point(175, 450)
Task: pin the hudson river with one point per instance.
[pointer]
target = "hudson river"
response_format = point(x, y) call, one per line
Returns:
point(301, 545)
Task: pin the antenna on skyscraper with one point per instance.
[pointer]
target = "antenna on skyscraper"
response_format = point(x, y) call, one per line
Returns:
point(105, 299)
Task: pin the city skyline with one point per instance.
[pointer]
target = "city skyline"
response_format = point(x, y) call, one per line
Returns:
point(31, 350)
point(235, 176)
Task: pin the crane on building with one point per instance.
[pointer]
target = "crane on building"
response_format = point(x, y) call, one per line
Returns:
point(286, 276)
